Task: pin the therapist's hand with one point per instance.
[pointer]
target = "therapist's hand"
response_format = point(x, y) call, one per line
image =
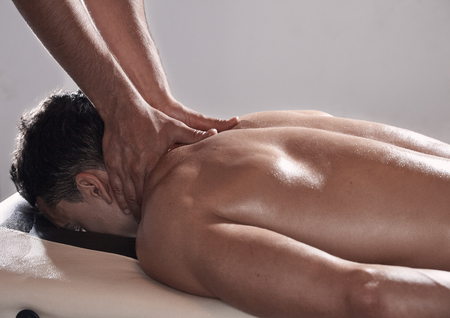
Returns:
point(136, 139)
point(108, 51)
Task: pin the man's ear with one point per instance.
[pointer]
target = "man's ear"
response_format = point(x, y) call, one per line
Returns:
point(91, 186)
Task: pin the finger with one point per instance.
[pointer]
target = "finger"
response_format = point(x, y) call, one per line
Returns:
point(199, 121)
point(129, 191)
point(126, 195)
point(202, 122)
point(188, 135)
point(133, 204)
point(219, 124)
point(134, 185)
point(116, 185)
point(222, 125)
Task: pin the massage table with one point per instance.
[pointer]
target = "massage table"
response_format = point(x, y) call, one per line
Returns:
point(47, 272)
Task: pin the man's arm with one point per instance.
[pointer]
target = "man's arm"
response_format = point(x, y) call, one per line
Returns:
point(270, 275)
point(136, 134)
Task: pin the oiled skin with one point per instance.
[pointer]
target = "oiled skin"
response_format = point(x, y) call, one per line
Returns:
point(252, 215)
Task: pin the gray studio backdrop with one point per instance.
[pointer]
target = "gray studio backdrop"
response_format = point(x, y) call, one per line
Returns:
point(379, 60)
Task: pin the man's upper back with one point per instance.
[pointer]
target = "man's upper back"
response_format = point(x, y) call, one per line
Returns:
point(307, 177)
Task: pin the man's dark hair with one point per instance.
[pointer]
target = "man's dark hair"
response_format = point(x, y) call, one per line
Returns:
point(57, 140)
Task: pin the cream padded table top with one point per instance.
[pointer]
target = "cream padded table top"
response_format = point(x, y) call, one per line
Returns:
point(58, 280)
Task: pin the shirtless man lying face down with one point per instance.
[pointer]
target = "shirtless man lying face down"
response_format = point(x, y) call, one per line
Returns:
point(288, 214)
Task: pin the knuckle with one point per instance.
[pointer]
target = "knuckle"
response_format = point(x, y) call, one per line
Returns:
point(131, 199)
point(199, 134)
point(117, 190)
point(112, 163)
point(136, 169)
point(116, 187)
point(130, 194)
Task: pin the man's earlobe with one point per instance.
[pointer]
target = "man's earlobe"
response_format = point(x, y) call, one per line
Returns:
point(91, 185)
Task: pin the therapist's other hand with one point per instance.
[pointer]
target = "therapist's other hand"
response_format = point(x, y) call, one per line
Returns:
point(140, 135)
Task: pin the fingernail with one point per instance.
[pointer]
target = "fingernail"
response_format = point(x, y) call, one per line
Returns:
point(126, 212)
point(212, 132)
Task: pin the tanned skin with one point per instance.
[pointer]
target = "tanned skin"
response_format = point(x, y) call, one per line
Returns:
point(292, 214)
point(304, 214)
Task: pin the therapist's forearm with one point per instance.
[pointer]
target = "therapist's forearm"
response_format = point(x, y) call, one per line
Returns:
point(124, 28)
point(64, 27)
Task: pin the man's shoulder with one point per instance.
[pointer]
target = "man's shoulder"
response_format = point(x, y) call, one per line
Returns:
point(281, 118)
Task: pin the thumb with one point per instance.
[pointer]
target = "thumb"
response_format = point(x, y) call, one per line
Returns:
point(188, 135)
point(222, 124)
